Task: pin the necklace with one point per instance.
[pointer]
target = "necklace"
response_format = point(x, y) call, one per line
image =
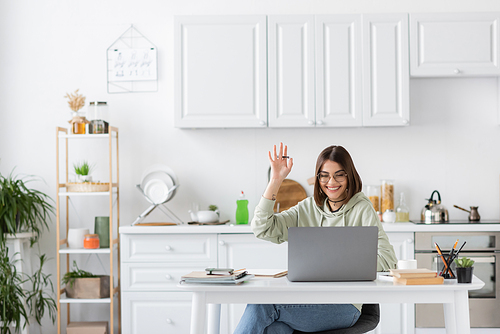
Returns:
point(335, 202)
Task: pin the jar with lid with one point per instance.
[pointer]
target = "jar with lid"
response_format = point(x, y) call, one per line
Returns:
point(91, 241)
point(373, 193)
point(402, 210)
point(98, 115)
point(386, 195)
point(389, 216)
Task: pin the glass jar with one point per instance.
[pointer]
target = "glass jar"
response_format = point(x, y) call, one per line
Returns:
point(389, 216)
point(373, 193)
point(78, 124)
point(91, 241)
point(98, 115)
point(386, 195)
point(402, 210)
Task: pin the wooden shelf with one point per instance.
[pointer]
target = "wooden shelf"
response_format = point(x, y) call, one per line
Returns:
point(63, 221)
point(87, 136)
point(94, 193)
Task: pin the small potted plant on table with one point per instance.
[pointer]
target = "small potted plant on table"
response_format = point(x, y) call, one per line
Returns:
point(464, 269)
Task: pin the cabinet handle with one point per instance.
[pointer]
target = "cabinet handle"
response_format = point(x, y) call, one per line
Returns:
point(320, 123)
point(457, 71)
point(262, 123)
point(169, 321)
point(222, 243)
point(310, 122)
point(405, 121)
point(168, 248)
point(409, 241)
point(167, 276)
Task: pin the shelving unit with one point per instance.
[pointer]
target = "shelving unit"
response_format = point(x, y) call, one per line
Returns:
point(113, 251)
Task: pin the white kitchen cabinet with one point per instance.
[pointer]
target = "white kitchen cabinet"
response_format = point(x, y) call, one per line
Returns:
point(291, 70)
point(399, 318)
point(338, 71)
point(454, 44)
point(220, 71)
point(156, 313)
point(386, 77)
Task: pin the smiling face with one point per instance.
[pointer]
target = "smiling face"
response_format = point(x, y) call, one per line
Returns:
point(333, 189)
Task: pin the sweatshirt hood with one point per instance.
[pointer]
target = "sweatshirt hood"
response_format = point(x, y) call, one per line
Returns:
point(325, 210)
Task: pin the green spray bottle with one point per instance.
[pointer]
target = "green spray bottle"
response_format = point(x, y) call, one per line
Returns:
point(242, 209)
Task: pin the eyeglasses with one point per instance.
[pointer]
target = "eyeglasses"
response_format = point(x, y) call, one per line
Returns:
point(339, 176)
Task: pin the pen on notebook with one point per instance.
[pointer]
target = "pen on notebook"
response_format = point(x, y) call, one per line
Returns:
point(442, 257)
point(239, 270)
point(450, 255)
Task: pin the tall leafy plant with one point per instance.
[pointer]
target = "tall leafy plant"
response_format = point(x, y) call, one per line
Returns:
point(22, 208)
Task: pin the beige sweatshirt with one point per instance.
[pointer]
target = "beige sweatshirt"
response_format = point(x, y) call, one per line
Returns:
point(358, 211)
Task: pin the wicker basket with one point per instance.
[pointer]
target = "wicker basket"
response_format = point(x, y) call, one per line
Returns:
point(87, 187)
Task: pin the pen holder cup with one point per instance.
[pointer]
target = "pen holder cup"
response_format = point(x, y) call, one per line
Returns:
point(440, 268)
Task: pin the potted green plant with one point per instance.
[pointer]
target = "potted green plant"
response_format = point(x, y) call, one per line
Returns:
point(82, 171)
point(83, 284)
point(22, 209)
point(13, 296)
point(464, 269)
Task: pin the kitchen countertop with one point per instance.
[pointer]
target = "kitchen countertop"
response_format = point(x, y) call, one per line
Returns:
point(388, 227)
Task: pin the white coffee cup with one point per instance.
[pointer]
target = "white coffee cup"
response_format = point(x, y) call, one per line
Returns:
point(407, 264)
point(76, 236)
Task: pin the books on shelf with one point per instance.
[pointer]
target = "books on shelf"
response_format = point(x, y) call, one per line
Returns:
point(416, 277)
point(202, 277)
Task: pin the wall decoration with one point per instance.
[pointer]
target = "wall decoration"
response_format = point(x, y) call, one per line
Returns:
point(132, 64)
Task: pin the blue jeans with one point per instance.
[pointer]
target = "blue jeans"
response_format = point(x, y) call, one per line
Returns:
point(285, 318)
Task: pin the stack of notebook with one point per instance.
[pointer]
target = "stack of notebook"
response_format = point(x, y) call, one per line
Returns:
point(198, 277)
point(416, 277)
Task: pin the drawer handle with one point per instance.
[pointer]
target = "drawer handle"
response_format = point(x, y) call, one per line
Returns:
point(457, 71)
point(222, 243)
point(167, 276)
point(169, 321)
point(168, 248)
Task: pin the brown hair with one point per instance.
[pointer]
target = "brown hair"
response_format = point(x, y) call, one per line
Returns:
point(339, 155)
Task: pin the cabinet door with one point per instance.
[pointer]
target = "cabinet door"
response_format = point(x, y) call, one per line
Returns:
point(246, 251)
point(156, 312)
point(291, 70)
point(338, 70)
point(386, 77)
point(220, 71)
point(399, 318)
point(454, 44)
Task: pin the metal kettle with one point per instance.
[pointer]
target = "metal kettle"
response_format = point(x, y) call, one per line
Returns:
point(434, 212)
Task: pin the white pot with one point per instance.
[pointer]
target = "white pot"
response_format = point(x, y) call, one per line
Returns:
point(83, 178)
point(205, 216)
point(76, 236)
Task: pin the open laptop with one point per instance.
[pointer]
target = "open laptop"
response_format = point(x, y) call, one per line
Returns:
point(328, 254)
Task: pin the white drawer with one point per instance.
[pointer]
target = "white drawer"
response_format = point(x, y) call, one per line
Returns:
point(154, 276)
point(195, 249)
point(156, 313)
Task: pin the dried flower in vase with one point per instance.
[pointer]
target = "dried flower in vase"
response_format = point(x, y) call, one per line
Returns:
point(76, 101)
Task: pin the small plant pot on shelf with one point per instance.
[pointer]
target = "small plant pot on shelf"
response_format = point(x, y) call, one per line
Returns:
point(464, 275)
point(88, 288)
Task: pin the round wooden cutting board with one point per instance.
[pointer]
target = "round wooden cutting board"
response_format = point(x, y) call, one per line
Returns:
point(290, 193)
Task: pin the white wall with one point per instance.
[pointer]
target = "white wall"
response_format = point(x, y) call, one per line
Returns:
point(49, 48)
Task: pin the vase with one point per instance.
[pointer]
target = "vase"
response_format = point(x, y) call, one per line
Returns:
point(83, 178)
point(464, 275)
point(76, 236)
point(101, 228)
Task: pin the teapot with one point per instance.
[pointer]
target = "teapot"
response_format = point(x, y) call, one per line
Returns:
point(204, 217)
point(434, 212)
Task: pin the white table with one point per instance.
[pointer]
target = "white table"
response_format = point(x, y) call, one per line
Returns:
point(453, 296)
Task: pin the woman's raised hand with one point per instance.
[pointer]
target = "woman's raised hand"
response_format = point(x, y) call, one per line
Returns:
point(281, 164)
